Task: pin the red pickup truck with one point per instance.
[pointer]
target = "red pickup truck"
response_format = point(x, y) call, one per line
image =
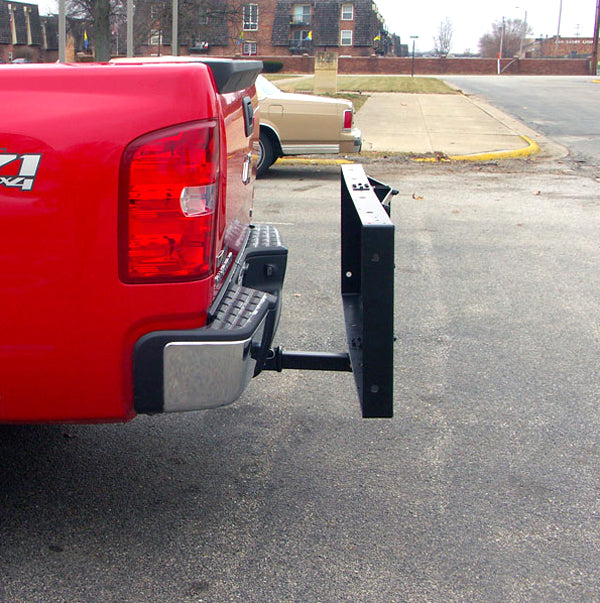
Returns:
point(132, 279)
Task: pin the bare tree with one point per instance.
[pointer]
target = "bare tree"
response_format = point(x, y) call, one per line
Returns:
point(442, 42)
point(207, 20)
point(506, 35)
point(98, 14)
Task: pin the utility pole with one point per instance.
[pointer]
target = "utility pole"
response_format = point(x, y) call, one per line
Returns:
point(558, 29)
point(175, 34)
point(594, 65)
point(62, 31)
point(129, 28)
point(412, 68)
point(501, 48)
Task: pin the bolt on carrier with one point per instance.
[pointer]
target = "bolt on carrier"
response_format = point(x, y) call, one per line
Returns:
point(367, 273)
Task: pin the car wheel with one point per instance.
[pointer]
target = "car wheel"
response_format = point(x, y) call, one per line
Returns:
point(266, 156)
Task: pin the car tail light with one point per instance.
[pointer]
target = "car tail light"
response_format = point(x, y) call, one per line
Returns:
point(168, 194)
point(348, 113)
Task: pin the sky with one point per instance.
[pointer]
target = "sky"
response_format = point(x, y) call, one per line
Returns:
point(470, 18)
point(473, 18)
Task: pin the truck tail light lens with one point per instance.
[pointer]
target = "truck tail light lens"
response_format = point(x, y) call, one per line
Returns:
point(168, 195)
point(348, 113)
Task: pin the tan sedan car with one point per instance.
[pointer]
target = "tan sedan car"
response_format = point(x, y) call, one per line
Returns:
point(301, 124)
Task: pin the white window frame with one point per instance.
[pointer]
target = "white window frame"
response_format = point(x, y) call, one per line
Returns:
point(249, 49)
point(346, 40)
point(345, 8)
point(300, 15)
point(250, 17)
point(155, 38)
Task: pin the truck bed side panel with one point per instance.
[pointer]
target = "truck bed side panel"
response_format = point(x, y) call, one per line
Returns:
point(68, 324)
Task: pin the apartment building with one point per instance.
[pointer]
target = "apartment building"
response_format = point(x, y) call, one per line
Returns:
point(215, 27)
point(20, 31)
point(25, 36)
point(282, 27)
point(270, 28)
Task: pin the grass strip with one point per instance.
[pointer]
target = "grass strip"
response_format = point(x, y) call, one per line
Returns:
point(375, 83)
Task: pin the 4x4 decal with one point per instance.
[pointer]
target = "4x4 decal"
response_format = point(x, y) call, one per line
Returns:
point(27, 172)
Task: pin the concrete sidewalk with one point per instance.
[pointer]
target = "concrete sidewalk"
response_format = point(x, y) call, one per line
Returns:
point(454, 125)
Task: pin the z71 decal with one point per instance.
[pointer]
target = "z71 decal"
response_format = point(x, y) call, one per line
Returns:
point(27, 172)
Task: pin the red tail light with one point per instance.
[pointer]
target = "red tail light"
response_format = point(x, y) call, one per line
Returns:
point(348, 119)
point(167, 199)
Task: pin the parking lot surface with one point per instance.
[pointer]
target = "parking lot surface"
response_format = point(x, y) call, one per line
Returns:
point(484, 487)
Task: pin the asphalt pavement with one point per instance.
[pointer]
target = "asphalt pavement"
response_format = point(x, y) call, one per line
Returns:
point(566, 109)
point(482, 489)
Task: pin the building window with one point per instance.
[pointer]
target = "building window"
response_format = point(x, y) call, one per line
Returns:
point(301, 14)
point(250, 17)
point(155, 38)
point(249, 49)
point(347, 12)
point(301, 38)
point(202, 16)
point(346, 37)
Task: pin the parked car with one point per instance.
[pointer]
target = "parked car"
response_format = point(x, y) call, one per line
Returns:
point(302, 124)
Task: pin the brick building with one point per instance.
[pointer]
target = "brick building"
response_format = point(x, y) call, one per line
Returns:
point(204, 27)
point(27, 36)
point(283, 27)
point(270, 28)
point(566, 47)
point(20, 31)
point(216, 27)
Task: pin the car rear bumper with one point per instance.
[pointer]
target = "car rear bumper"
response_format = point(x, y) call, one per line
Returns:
point(211, 366)
point(350, 142)
point(353, 142)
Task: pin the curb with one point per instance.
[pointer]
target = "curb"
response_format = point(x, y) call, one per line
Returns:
point(532, 148)
point(317, 161)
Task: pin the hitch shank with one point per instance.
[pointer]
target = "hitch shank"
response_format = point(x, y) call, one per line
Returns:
point(277, 359)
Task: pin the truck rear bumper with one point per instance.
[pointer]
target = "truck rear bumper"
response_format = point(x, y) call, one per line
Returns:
point(211, 366)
